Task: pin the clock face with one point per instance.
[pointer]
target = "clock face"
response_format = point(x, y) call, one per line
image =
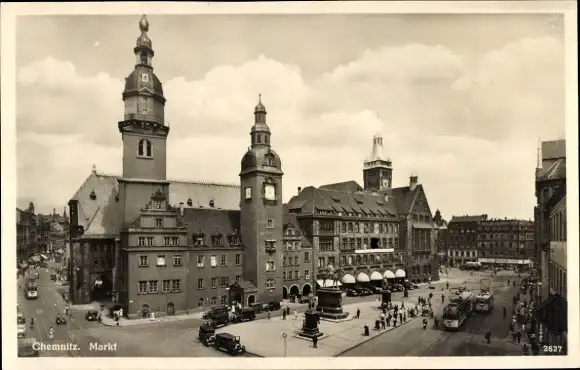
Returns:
point(270, 192)
point(248, 193)
point(385, 182)
point(159, 205)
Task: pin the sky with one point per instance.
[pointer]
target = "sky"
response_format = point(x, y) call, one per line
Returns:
point(459, 99)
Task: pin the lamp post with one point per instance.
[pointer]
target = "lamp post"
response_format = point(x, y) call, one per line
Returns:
point(284, 336)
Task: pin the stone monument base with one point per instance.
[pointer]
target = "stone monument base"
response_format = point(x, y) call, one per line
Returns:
point(330, 304)
point(310, 328)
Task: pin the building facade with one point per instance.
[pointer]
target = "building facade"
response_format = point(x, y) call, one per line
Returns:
point(506, 242)
point(26, 233)
point(297, 260)
point(441, 234)
point(52, 232)
point(463, 238)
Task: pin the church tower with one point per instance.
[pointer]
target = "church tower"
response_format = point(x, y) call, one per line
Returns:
point(261, 211)
point(143, 131)
point(377, 171)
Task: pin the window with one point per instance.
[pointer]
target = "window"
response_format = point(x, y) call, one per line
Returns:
point(306, 274)
point(96, 263)
point(238, 279)
point(142, 287)
point(166, 286)
point(176, 285)
point(200, 302)
point(306, 256)
point(214, 282)
point(199, 283)
point(270, 266)
point(320, 262)
point(175, 240)
point(161, 261)
point(166, 240)
point(144, 77)
point(331, 261)
point(141, 241)
point(216, 239)
point(158, 222)
point(224, 281)
point(223, 299)
point(284, 275)
point(200, 260)
point(296, 261)
point(153, 288)
point(248, 192)
point(270, 224)
point(177, 260)
point(238, 259)
point(150, 240)
point(213, 261)
point(213, 301)
point(143, 261)
point(343, 260)
point(343, 227)
point(224, 261)
point(284, 261)
point(145, 148)
point(270, 283)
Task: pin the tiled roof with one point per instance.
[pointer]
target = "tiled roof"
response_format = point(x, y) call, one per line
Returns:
point(553, 149)
point(312, 198)
point(99, 216)
point(290, 219)
point(556, 171)
point(346, 186)
point(403, 198)
point(211, 222)
point(476, 218)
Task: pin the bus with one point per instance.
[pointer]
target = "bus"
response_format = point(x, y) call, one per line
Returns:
point(458, 310)
point(484, 302)
point(20, 324)
point(31, 290)
point(472, 266)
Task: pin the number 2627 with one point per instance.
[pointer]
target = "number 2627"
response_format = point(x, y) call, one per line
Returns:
point(553, 349)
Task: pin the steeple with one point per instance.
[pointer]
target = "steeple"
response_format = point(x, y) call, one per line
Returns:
point(144, 47)
point(260, 132)
point(377, 170)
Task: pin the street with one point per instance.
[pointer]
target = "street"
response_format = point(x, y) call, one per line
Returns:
point(412, 340)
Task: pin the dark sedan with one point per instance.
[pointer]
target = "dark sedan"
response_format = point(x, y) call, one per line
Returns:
point(60, 320)
point(272, 306)
point(92, 316)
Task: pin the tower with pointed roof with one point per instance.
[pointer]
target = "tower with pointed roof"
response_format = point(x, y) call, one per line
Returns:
point(143, 131)
point(377, 171)
point(261, 211)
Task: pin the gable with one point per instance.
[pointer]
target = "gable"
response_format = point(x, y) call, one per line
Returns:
point(420, 203)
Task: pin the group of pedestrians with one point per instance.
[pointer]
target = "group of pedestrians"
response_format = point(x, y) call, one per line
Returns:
point(522, 320)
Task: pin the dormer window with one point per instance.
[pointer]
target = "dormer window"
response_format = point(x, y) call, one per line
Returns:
point(144, 149)
point(93, 195)
point(216, 239)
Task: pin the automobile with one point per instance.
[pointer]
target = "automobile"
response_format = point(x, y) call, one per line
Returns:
point(219, 319)
point(377, 289)
point(92, 315)
point(60, 320)
point(366, 291)
point(304, 299)
point(206, 335)
point(114, 309)
point(230, 343)
point(244, 315)
point(218, 310)
point(53, 277)
point(352, 293)
point(271, 306)
point(256, 307)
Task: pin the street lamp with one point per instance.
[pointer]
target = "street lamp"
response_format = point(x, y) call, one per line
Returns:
point(284, 336)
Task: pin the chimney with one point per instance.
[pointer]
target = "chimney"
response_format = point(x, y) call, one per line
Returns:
point(181, 208)
point(299, 189)
point(413, 181)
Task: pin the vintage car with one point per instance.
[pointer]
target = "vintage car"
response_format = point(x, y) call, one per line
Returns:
point(215, 311)
point(256, 307)
point(207, 335)
point(244, 315)
point(53, 277)
point(271, 306)
point(377, 289)
point(60, 320)
point(92, 315)
point(218, 320)
point(229, 343)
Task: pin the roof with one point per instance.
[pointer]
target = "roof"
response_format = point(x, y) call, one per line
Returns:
point(290, 219)
point(403, 197)
point(346, 186)
point(311, 199)
point(553, 149)
point(99, 215)
point(212, 222)
point(556, 170)
point(466, 218)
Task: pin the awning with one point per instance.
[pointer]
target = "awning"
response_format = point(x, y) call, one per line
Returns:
point(43, 257)
point(399, 273)
point(35, 259)
point(362, 278)
point(376, 276)
point(389, 274)
point(328, 283)
point(348, 279)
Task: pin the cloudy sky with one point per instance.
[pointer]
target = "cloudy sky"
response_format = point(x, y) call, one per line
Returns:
point(459, 99)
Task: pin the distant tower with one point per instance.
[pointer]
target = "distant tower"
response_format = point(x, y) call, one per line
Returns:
point(143, 131)
point(539, 157)
point(377, 171)
point(261, 211)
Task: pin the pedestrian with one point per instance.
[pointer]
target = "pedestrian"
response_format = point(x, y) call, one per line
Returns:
point(519, 336)
point(389, 321)
point(447, 285)
point(358, 313)
point(504, 312)
point(284, 315)
point(513, 336)
point(514, 284)
point(488, 336)
point(394, 321)
point(442, 298)
point(526, 350)
point(269, 315)
point(383, 325)
point(99, 319)
point(314, 342)
point(403, 305)
point(401, 317)
point(295, 314)
point(404, 317)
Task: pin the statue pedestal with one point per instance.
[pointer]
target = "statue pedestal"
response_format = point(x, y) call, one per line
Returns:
point(330, 303)
point(310, 328)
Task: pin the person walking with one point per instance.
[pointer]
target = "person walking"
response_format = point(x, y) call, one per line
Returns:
point(284, 314)
point(400, 317)
point(269, 314)
point(394, 321)
point(526, 350)
point(358, 313)
point(314, 342)
point(295, 314)
point(404, 317)
point(514, 335)
point(442, 298)
point(389, 320)
point(488, 336)
point(519, 336)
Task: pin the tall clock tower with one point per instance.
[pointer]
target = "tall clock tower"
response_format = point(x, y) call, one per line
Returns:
point(143, 131)
point(377, 171)
point(261, 211)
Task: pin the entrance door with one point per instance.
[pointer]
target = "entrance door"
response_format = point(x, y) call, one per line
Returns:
point(251, 300)
point(170, 309)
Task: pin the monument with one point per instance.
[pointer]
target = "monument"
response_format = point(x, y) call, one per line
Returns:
point(310, 327)
point(330, 298)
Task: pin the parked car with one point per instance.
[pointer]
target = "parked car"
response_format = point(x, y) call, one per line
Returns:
point(398, 287)
point(230, 343)
point(352, 293)
point(92, 315)
point(366, 291)
point(256, 307)
point(207, 335)
point(53, 277)
point(219, 319)
point(218, 310)
point(60, 320)
point(244, 315)
point(271, 306)
point(377, 289)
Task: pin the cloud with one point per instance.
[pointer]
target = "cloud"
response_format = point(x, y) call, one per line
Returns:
point(467, 126)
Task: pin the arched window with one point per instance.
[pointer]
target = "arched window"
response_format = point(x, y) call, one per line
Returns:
point(144, 148)
point(144, 57)
point(259, 139)
point(266, 139)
